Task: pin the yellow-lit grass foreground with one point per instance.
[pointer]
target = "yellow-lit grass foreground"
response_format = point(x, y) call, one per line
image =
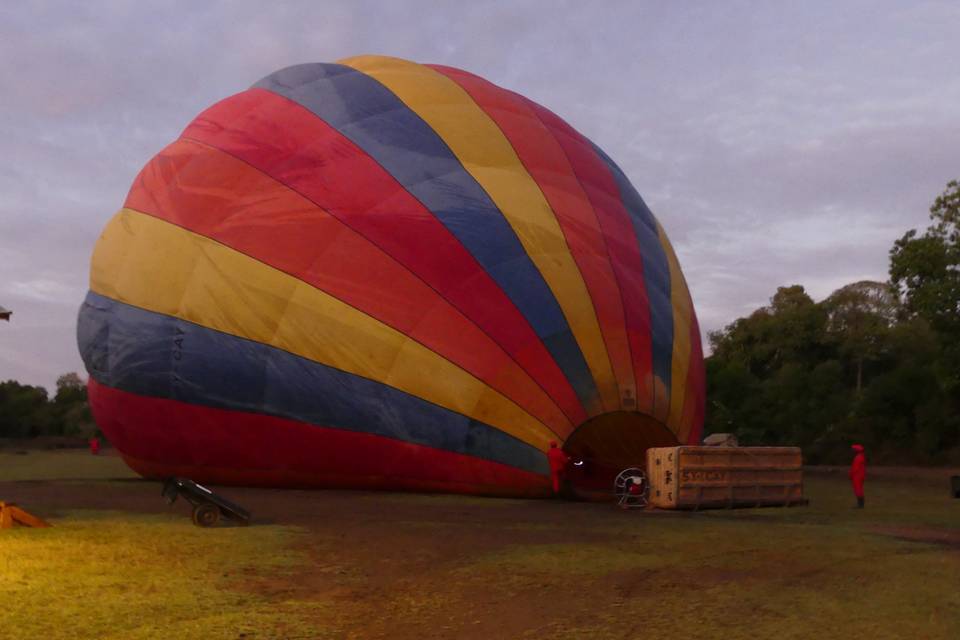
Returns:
point(112, 575)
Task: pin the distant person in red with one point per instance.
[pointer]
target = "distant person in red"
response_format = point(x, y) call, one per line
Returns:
point(558, 465)
point(858, 473)
point(94, 446)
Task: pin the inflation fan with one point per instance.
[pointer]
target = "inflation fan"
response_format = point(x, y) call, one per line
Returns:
point(631, 488)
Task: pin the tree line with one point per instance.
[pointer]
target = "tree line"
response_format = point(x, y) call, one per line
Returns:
point(27, 411)
point(877, 363)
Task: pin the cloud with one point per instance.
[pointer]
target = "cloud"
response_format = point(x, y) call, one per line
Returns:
point(778, 143)
point(39, 289)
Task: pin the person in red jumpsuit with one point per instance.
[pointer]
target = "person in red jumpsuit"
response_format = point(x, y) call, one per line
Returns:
point(558, 465)
point(858, 473)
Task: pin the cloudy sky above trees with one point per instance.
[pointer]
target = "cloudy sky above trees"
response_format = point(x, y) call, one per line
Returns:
point(777, 142)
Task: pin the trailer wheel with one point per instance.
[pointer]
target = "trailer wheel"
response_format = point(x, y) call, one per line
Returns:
point(206, 515)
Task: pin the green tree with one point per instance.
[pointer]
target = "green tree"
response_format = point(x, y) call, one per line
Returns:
point(71, 407)
point(758, 378)
point(791, 328)
point(859, 315)
point(28, 412)
point(70, 389)
point(925, 269)
point(24, 411)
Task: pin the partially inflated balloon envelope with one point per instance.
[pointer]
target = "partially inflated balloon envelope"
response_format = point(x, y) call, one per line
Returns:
point(381, 274)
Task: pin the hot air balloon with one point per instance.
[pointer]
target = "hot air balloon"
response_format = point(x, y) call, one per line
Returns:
point(382, 274)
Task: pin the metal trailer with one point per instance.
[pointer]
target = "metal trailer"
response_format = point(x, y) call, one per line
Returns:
point(207, 505)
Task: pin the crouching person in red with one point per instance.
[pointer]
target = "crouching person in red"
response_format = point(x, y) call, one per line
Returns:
point(558, 466)
point(858, 473)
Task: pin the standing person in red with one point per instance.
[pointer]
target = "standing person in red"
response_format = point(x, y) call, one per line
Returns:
point(858, 473)
point(558, 465)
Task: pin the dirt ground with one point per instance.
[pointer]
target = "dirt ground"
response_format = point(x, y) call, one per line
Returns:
point(408, 566)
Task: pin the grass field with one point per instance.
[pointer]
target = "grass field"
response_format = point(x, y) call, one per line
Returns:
point(118, 563)
point(61, 464)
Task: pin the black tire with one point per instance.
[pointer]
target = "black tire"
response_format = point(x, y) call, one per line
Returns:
point(206, 515)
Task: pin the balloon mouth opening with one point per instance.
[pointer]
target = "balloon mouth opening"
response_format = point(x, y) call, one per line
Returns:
point(609, 443)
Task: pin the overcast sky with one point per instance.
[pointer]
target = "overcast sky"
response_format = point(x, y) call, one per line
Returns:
point(777, 142)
